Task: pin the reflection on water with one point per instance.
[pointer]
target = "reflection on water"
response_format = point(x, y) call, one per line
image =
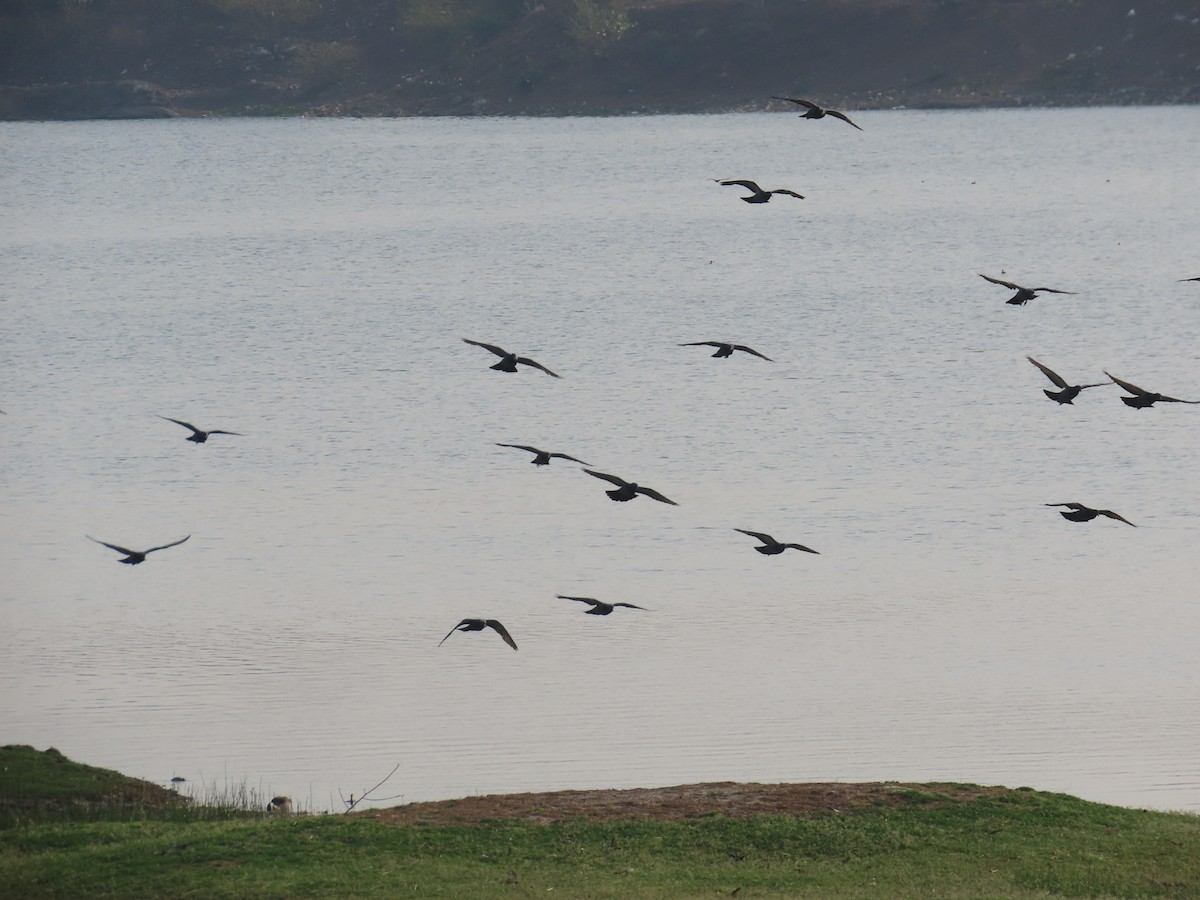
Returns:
point(308, 284)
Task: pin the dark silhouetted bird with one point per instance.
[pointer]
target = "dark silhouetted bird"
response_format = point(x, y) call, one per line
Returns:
point(813, 111)
point(724, 349)
point(509, 361)
point(627, 490)
point(542, 457)
point(1023, 294)
point(1142, 398)
point(197, 436)
point(757, 194)
point(479, 625)
point(1077, 512)
point(1190, 279)
point(133, 557)
point(1069, 391)
point(771, 546)
point(599, 607)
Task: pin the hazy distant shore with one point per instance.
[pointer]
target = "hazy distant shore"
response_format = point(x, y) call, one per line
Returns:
point(589, 57)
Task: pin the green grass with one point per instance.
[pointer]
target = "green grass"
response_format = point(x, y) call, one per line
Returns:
point(1010, 844)
point(47, 788)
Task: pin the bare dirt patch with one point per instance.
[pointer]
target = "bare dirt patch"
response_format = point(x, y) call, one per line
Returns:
point(688, 801)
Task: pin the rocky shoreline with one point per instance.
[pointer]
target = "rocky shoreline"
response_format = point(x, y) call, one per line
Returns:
point(116, 100)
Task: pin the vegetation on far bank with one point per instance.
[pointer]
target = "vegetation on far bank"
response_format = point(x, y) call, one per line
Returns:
point(904, 841)
point(137, 58)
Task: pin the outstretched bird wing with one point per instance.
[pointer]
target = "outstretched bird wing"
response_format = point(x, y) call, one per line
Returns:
point(172, 544)
point(189, 425)
point(219, 431)
point(630, 605)
point(124, 550)
point(454, 629)
point(571, 458)
point(1051, 291)
point(789, 193)
point(1132, 388)
point(752, 352)
point(526, 361)
point(1050, 373)
point(502, 631)
point(499, 351)
point(1167, 399)
point(590, 601)
point(749, 185)
point(765, 538)
point(520, 447)
point(840, 115)
point(1008, 284)
point(807, 103)
point(655, 495)
point(1069, 505)
point(802, 547)
point(1113, 515)
point(705, 344)
point(611, 479)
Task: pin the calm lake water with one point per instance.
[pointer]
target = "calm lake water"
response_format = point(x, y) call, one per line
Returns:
point(308, 284)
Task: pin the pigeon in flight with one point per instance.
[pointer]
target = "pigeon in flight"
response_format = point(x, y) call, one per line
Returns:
point(197, 436)
point(1077, 512)
point(771, 546)
point(479, 625)
point(1069, 391)
point(1023, 294)
point(1142, 398)
point(757, 194)
point(724, 349)
point(542, 457)
point(508, 361)
point(627, 490)
point(813, 111)
point(133, 557)
point(598, 607)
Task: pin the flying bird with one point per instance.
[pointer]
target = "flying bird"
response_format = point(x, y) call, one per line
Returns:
point(757, 194)
point(1077, 512)
point(1023, 294)
point(479, 625)
point(813, 111)
point(627, 490)
point(598, 607)
point(509, 361)
point(133, 557)
point(1069, 391)
point(1190, 279)
point(1142, 398)
point(771, 546)
point(724, 349)
point(197, 436)
point(542, 457)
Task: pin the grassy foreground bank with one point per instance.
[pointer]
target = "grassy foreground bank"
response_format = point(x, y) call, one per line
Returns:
point(68, 830)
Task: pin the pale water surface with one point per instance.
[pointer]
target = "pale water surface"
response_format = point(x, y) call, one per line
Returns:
point(307, 283)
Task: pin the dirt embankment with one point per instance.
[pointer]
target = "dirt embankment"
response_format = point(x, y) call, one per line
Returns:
point(690, 801)
point(123, 58)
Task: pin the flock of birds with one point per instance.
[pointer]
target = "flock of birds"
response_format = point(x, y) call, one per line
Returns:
point(624, 491)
